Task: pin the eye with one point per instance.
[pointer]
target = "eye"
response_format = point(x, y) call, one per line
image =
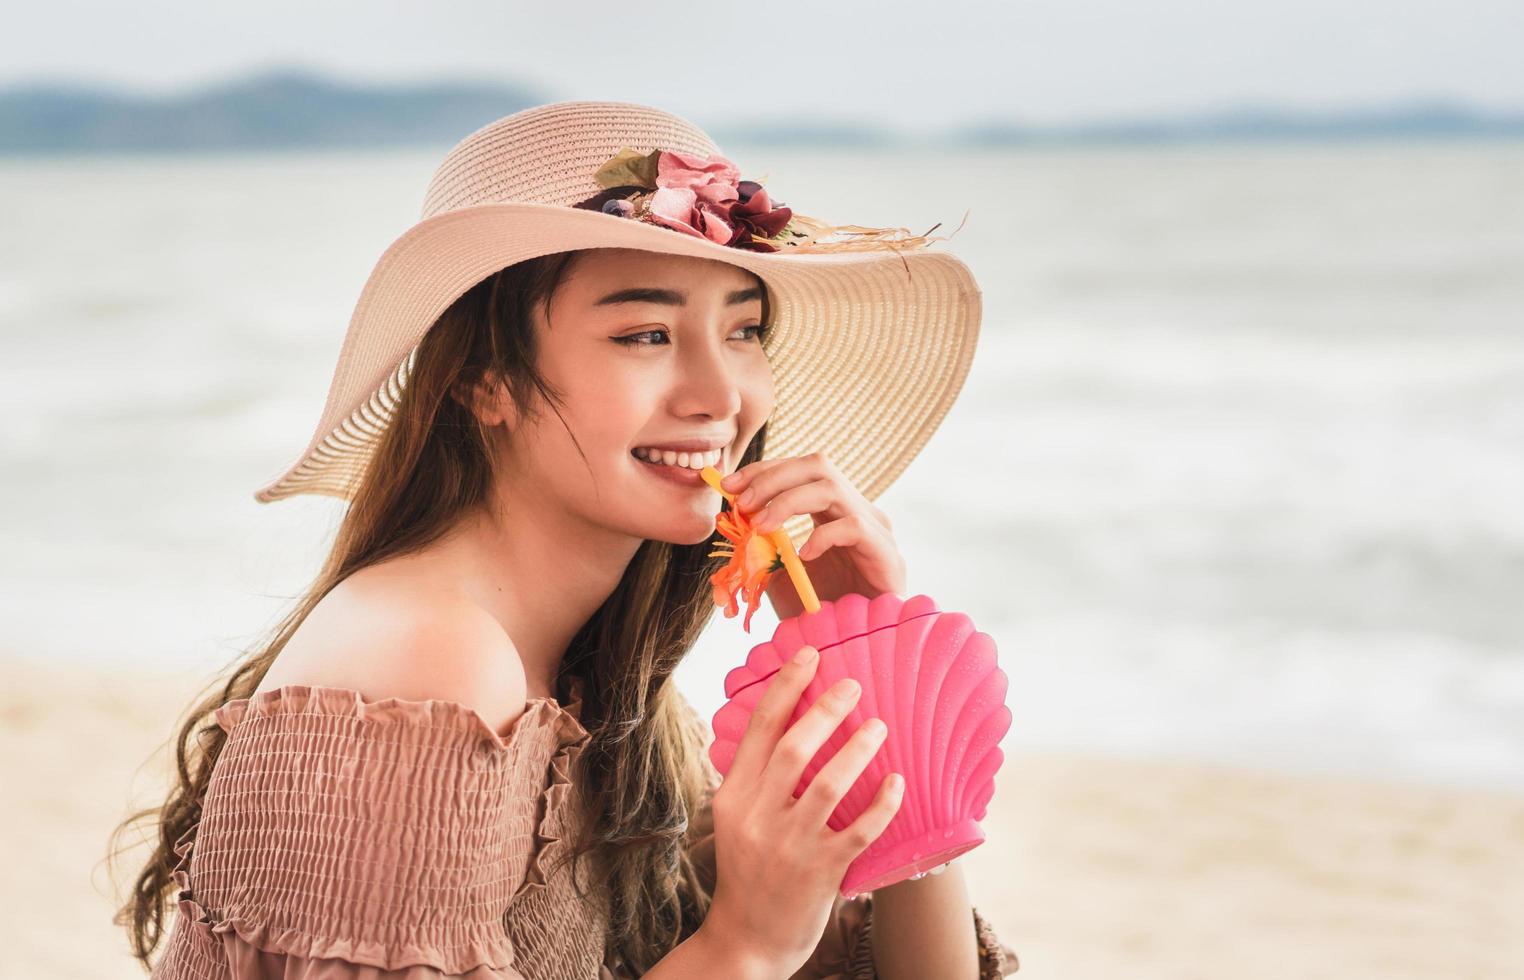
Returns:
point(633, 340)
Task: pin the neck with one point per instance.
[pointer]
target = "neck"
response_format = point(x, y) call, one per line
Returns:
point(541, 572)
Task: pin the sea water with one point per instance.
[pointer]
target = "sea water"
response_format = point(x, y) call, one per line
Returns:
point(1237, 475)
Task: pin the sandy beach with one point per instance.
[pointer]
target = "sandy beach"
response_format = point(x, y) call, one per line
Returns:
point(1096, 867)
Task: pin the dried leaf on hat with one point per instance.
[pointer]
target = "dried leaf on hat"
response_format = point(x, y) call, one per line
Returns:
point(629, 167)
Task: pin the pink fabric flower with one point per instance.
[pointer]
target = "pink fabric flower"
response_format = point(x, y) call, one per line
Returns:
point(695, 194)
point(675, 169)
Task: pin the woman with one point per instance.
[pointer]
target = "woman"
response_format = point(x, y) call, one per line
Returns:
point(462, 754)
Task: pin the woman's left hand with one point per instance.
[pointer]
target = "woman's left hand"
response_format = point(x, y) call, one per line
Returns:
point(850, 549)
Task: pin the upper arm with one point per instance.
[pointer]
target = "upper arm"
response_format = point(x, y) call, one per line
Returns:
point(389, 639)
point(330, 812)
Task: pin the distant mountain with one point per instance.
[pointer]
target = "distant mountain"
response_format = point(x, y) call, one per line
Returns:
point(288, 108)
point(1409, 120)
point(292, 108)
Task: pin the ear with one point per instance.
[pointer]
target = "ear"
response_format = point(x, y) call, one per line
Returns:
point(488, 399)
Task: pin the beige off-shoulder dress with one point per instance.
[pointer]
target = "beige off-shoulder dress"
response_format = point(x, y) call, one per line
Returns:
point(345, 839)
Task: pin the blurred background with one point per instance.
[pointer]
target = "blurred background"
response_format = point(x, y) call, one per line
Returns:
point(1236, 480)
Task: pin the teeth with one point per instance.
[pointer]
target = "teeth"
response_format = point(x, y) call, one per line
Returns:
point(692, 461)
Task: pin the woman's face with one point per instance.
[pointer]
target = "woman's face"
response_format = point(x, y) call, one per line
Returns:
point(647, 349)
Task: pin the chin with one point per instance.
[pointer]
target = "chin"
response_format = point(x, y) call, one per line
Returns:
point(706, 533)
point(702, 530)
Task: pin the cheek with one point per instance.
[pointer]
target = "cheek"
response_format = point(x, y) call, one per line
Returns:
point(603, 402)
point(758, 398)
point(611, 411)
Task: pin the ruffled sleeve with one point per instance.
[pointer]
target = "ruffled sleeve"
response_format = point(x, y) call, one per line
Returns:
point(845, 950)
point(342, 839)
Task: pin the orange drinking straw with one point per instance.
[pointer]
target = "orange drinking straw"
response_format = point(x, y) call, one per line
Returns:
point(782, 542)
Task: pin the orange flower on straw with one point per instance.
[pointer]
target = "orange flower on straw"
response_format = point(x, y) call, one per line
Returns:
point(753, 557)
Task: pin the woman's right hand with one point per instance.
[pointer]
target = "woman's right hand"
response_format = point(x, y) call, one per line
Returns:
point(778, 866)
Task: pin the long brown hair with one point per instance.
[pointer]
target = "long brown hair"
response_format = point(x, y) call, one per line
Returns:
point(641, 775)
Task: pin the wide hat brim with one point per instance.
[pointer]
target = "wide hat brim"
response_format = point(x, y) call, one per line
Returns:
point(869, 349)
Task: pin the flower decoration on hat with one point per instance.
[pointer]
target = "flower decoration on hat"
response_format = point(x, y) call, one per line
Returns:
point(707, 198)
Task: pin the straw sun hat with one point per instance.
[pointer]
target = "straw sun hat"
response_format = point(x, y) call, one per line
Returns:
point(872, 332)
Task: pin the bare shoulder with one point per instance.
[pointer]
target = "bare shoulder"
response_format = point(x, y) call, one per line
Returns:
point(388, 634)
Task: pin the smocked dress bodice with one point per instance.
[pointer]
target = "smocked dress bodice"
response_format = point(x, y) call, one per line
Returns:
point(342, 839)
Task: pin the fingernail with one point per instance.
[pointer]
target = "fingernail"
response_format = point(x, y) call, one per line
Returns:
point(731, 481)
point(850, 688)
point(747, 499)
point(805, 655)
point(875, 727)
point(897, 782)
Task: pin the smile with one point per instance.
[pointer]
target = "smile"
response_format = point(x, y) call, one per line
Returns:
point(695, 461)
point(683, 476)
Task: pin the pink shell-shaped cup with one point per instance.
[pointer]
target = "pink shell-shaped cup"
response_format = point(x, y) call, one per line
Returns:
point(933, 680)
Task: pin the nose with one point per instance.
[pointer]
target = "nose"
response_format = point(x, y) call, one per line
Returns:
point(709, 381)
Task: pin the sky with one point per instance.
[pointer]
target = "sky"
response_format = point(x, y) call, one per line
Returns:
point(884, 62)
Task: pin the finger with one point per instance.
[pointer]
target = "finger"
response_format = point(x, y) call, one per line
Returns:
point(832, 783)
point(785, 768)
point(820, 498)
point(857, 835)
point(765, 484)
point(739, 478)
point(852, 531)
point(770, 717)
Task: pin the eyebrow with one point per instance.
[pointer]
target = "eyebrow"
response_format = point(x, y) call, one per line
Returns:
point(672, 297)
